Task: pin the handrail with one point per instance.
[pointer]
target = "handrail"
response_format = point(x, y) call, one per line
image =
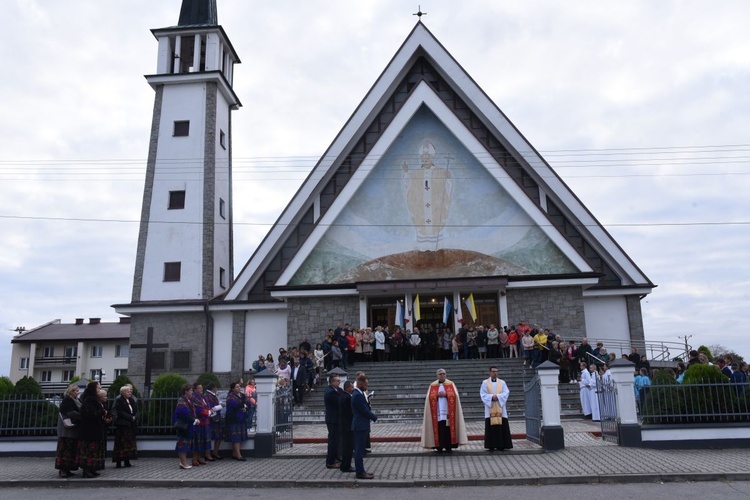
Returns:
point(658, 350)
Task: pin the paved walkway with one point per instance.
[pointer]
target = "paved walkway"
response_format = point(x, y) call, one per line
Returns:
point(586, 459)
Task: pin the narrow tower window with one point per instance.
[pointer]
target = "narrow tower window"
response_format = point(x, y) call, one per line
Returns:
point(182, 128)
point(176, 200)
point(172, 271)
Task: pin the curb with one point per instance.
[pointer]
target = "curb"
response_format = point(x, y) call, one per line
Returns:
point(385, 483)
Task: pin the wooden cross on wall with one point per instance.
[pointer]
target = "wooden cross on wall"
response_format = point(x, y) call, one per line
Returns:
point(149, 346)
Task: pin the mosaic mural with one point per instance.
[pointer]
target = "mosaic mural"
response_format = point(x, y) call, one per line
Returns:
point(429, 209)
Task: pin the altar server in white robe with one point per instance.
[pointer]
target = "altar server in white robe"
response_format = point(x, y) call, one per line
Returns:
point(593, 395)
point(584, 385)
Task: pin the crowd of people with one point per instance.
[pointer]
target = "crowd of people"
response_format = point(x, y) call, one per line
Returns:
point(82, 427)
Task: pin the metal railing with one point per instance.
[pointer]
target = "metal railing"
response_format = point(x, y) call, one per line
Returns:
point(533, 409)
point(56, 360)
point(694, 403)
point(24, 415)
point(654, 350)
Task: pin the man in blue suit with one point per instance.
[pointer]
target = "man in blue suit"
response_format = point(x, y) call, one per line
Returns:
point(331, 398)
point(361, 417)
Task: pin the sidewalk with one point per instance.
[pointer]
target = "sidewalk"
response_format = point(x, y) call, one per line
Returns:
point(586, 459)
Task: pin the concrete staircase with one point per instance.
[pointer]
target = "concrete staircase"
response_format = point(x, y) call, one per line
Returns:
point(400, 389)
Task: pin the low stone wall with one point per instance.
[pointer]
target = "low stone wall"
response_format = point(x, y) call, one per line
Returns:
point(692, 436)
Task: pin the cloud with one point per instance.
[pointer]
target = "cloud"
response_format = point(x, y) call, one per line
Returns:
point(576, 75)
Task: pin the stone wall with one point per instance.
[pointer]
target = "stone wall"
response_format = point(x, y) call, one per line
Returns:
point(313, 316)
point(558, 308)
point(635, 318)
point(182, 331)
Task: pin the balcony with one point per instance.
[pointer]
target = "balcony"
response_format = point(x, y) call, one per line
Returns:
point(55, 361)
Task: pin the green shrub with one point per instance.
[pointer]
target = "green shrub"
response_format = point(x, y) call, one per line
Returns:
point(117, 383)
point(704, 374)
point(27, 386)
point(6, 387)
point(208, 378)
point(663, 377)
point(164, 396)
point(705, 396)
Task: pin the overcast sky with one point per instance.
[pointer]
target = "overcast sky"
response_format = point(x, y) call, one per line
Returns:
point(642, 107)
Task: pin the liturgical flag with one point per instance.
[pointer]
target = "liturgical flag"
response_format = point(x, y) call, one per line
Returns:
point(399, 314)
point(471, 307)
point(417, 314)
point(446, 310)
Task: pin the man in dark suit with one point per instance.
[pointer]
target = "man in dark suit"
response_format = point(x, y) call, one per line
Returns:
point(345, 423)
point(331, 398)
point(361, 417)
point(299, 381)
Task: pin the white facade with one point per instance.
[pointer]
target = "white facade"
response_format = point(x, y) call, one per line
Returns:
point(190, 154)
point(55, 353)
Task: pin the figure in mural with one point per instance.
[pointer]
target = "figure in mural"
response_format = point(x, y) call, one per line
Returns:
point(428, 197)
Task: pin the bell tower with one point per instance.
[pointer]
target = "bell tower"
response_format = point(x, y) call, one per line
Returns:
point(185, 249)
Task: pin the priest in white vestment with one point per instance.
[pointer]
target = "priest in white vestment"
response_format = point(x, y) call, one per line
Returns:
point(443, 426)
point(494, 393)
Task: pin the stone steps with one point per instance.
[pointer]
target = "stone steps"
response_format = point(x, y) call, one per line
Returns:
point(400, 388)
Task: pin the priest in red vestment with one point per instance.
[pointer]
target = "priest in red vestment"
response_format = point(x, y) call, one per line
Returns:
point(443, 427)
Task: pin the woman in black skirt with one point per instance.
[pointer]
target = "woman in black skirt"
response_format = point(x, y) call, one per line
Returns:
point(124, 414)
point(67, 437)
point(95, 418)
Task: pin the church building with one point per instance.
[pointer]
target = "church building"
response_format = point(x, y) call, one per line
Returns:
point(428, 209)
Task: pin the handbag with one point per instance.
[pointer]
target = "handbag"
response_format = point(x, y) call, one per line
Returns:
point(181, 425)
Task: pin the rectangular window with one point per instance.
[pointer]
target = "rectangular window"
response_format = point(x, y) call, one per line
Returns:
point(222, 277)
point(24, 364)
point(46, 376)
point(222, 208)
point(122, 351)
point(172, 271)
point(158, 360)
point(120, 371)
point(176, 200)
point(49, 352)
point(96, 375)
point(67, 375)
point(180, 360)
point(182, 128)
point(96, 351)
point(222, 139)
point(71, 353)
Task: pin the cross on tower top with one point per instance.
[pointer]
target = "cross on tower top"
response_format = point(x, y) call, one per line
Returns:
point(419, 13)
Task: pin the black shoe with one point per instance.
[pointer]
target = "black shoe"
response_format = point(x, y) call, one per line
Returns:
point(118, 465)
point(127, 463)
point(240, 459)
point(87, 473)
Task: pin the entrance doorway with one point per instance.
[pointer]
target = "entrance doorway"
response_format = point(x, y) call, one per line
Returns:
point(486, 306)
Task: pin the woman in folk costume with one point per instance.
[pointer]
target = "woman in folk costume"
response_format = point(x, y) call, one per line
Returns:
point(92, 444)
point(584, 385)
point(494, 393)
point(443, 426)
point(202, 435)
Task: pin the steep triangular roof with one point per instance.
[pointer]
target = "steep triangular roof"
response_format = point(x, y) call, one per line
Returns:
point(424, 83)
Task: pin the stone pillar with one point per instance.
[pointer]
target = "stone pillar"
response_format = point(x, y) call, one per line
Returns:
point(628, 428)
point(265, 437)
point(553, 437)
